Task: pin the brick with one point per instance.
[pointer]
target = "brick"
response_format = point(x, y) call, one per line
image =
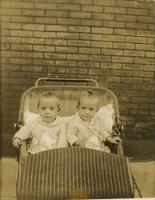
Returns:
point(122, 45)
point(10, 39)
point(57, 70)
point(150, 54)
point(32, 40)
point(55, 28)
point(5, 18)
point(32, 55)
point(114, 24)
point(91, 22)
point(122, 59)
point(77, 70)
point(10, 26)
point(76, 14)
point(133, 67)
point(144, 60)
point(79, 43)
point(140, 99)
point(10, 11)
point(44, 34)
point(88, 64)
point(55, 56)
point(124, 31)
point(146, 5)
point(148, 80)
point(145, 19)
point(103, 16)
point(67, 49)
point(5, 4)
point(81, 2)
point(111, 65)
point(105, 3)
point(5, 46)
point(121, 73)
point(115, 10)
point(113, 38)
point(145, 47)
point(146, 33)
point(149, 68)
point(87, 36)
point(20, 75)
point(18, 61)
point(19, 4)
point(151, 27)
point(21, 33)
point(79, 29)
point(101, 44)
point(43, 48)
point(68, 35)
point(42, 62)
point(89, 50)
point(150, 40)
point(134, 53)
point(136, 25)
point(67, 63)
point(10, 54)
point(33, 12)
point(67, 7)
point(131, 79)
point(57, 42)
point(133, 39)
point(77, 57)
point(34, 27)
point(126, 3)
point(29, 68)
point(21, 47)
point(125, 18)
point(44, 20)
point(22, 19)
point(102, 30)
point(134, 11)
point(100, 58)
point(99, 71)
point(116, 52)
point(91, 8)
point(68, 21)
point(48, 6)
point(56, 13)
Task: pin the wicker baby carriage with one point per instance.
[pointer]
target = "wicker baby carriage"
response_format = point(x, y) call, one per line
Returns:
point(73, 172)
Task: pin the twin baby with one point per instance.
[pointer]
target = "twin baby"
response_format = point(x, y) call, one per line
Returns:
point(48, 130)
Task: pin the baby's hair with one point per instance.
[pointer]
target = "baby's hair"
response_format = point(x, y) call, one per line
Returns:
point(87, 94)
point(49, 94)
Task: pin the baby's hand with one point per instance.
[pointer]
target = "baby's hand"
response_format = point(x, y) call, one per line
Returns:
point(17, 142)
point(114, 140)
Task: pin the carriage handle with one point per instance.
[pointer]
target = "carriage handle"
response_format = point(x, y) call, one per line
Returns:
point(66, 80)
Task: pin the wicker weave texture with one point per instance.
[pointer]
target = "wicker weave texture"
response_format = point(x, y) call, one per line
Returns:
point(74, 173)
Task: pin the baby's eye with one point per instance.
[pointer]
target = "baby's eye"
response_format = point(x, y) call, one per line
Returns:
point(43, 108)
point(83, 108)
point(51, 108)
point(91, 109)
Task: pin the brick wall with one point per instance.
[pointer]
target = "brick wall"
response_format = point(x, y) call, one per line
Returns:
point(111, 41)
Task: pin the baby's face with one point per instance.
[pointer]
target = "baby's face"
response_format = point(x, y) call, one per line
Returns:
point(87, 109)
point(48, 109)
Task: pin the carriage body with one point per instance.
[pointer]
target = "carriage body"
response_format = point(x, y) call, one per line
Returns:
point(79, 173)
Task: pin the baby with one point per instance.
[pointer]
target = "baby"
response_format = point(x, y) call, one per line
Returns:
point(47, 130)
point(84, 129)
